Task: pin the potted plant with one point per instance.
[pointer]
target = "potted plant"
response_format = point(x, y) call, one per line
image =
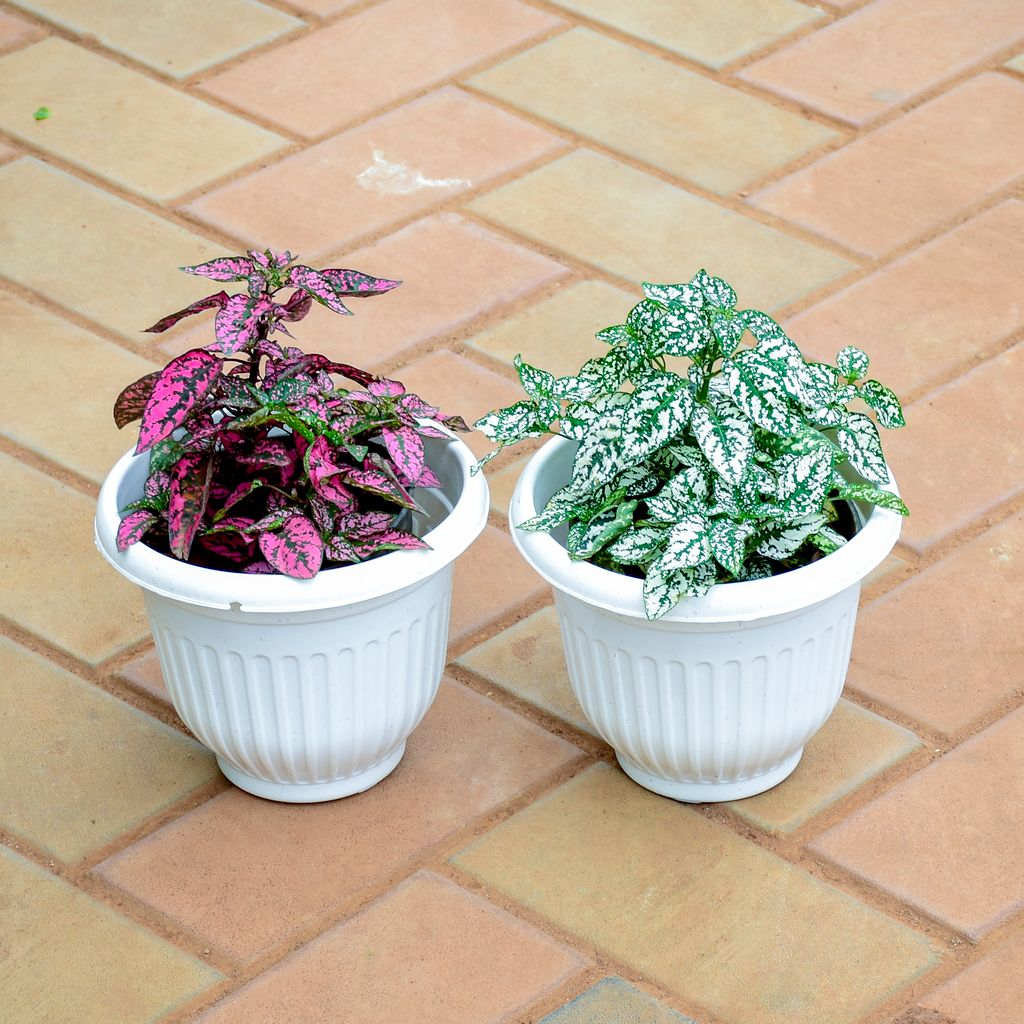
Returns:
point(705, 518)
point(293, 536)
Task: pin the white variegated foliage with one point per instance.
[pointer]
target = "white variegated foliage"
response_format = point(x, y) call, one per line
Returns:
point(722, 470)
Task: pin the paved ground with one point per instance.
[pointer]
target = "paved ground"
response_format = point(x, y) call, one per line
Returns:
point(854, 167)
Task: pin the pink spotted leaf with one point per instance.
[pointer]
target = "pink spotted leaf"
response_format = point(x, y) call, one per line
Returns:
point(315, 284)
point(384, 388)
point(131, 403)
point(210, 302)
point(190, 489)
point(184, 382)
point(375, 481)
point(295, 550)
point(225, 268)
point(134, 527)
point(356, 284)
point(405, 447)
point(296, 308)
point(238, 322)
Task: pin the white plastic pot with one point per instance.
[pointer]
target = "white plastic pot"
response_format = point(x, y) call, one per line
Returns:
point(306, 690)
point(716, 700)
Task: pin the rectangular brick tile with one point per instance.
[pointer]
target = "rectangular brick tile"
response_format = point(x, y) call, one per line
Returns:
point(467, 757)
point(938, 647)
point(886, 53)
point(711, 32)
point(120, 124)
point(177, 38)
point(364, 180)
point(67, 382)
point(947, 839)
point(79, 767)
point(898, 182)
point(491, 579)
point(557, 333)
point(642, 229)
point(323, 8)
point(55, 582)
point(501, 481)
point(614, 1001)
point(989, 992)
point(66, 957)
point(93, 253)
point(423, 954)
point(527, 659)
point(961, 452)
point(932, 311)
point(15, 31)
point(144, 674)
point(718, 921)
point(344, 71)
point(853, 746)
point(703, 135)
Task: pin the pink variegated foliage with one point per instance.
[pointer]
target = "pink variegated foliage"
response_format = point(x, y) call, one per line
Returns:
point(261, 461)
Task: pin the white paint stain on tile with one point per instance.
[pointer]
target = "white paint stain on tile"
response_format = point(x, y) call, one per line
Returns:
point(397, 179)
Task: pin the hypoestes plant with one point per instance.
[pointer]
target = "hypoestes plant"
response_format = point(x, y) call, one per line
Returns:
point(259, 461)
point(722, 468)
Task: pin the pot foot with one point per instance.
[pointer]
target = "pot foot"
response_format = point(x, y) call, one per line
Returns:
point(313, 792)
point(709, 792)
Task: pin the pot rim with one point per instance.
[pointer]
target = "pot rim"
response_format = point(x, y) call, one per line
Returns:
point(331, 588)
point(754, 600)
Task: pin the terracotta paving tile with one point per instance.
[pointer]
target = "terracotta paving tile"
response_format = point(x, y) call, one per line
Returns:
point(116, 766)
point(557, 333)
point(936, 647)
point(910, 174)
point(7, 153)
point(614, 1001)
point(125, 260)
point(341, 73)
point(990, 992)
point(468, 756)
point(502, 482)
point(120, 124)
point(15, 31)
point(712, 32)
point(932, 311)
point(591, 858)
point(423, 954)
point(323, 8)
point(491, 579)
point(177, 38)
point(73, 426)
point(853, 746)
point(947, 839)
point(76, 960)
point(886, 53)
point(459, 386)
point(55, 583)
point(948, 467)
point(643, 229)
point(144, 673)
point(452, 271)
point(527, 659)
point(364, 180)
point(703, 135)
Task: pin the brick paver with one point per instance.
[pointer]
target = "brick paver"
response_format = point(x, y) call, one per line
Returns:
point(522, 165)
point(592, 859)
point(177, 38)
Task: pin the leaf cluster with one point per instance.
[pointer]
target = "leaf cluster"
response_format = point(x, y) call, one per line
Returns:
point(259, 461)
point(708, 447)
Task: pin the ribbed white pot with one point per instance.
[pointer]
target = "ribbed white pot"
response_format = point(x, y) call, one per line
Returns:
point(716, 700)
point(306, 690)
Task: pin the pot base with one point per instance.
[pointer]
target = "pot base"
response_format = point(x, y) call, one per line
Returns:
point(708, 792)
point(313, 792)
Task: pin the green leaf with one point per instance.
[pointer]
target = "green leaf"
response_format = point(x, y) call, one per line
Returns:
point(756, 567)
point(586, 539)
point(884, 402)
point(729, 332)
point(852, 362)
point(41, 114)
point(638, 547)
point(602, 374)
point(577, 418)
point(644, 321)
point(536, 383)
point(778, 541)
point(686, 333)
point(618, 334)
point(872, 495)
point(687, 488)
point(827, 540)
point(755, 384)
point(726, 438)
point(803, 480)
point(688, 543)
point(675, 294)
point(717, 292)
point(858, 437)
point(658, 411)
point(600, 457)
point(663, 590)
point(506, 426)
point(729, 543)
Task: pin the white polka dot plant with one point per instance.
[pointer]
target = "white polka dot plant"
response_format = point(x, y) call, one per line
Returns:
point(720, 470)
